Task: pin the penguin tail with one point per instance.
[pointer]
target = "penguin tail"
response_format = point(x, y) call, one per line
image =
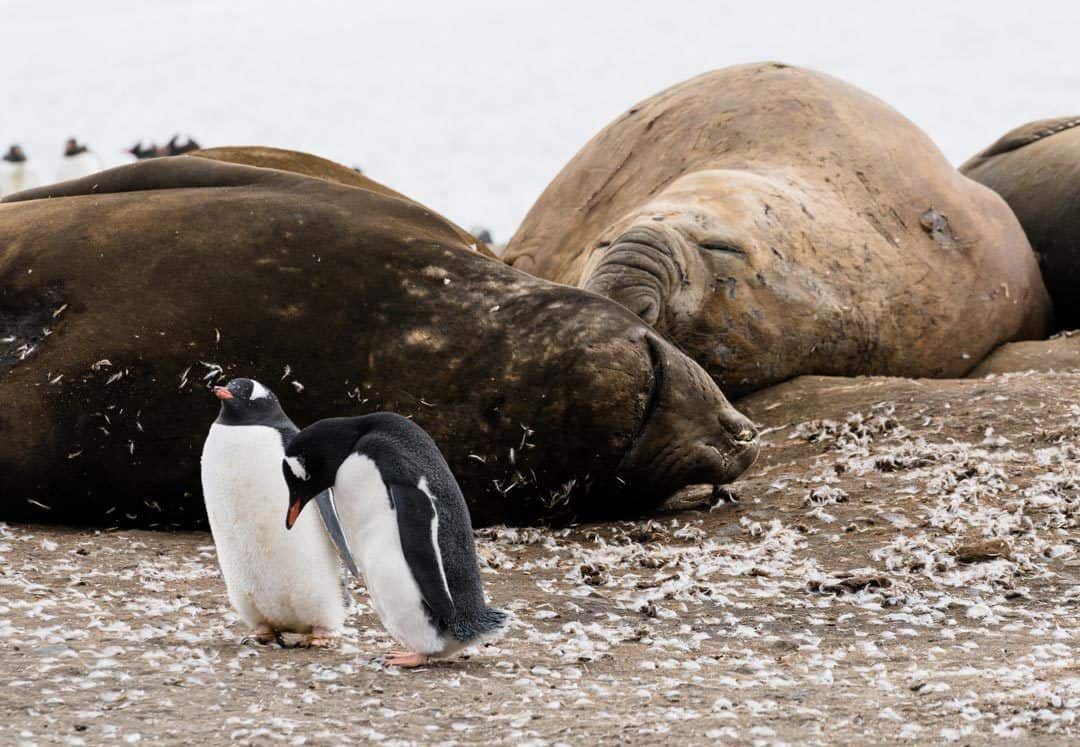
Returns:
point(485, 627)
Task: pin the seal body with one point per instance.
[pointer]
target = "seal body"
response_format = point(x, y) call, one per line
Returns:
point(124, 293)
point(321, 168)
point(403, 511)
point(1036, 168)
point(276, 581)
point(773, 221)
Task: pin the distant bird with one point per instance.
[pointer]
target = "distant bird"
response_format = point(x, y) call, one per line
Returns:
point(16, 174)
point(482, 234)
point(403, 511)
point(140, 152)
point(78, 161)
point(276, 582)
point(176, 148)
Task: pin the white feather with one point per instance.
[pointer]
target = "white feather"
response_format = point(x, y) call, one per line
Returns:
point(289, 579)
point(258, 391)
point(296, 466)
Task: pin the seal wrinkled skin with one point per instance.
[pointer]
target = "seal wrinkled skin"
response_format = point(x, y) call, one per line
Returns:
point(1036, 169)
point(773, 222)
point(128, 293)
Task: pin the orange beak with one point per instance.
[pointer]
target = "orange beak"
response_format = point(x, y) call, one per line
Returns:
point(222, 393)
point(294, 513)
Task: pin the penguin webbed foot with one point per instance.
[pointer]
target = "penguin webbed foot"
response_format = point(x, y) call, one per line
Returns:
point(404, 659)
point(319, 638)
point(263, 635)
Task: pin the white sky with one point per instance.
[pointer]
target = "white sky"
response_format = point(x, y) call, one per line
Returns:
point(473, 106)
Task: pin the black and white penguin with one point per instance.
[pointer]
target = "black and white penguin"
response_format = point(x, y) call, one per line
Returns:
point(403, 511)
point(276, 582)
point(16, 173)
point(78, 161)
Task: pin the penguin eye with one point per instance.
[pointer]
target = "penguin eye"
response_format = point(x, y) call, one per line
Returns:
point(723, 247)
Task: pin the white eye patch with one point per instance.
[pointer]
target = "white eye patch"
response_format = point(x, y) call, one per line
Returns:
point(258, 391)
point(297, 468)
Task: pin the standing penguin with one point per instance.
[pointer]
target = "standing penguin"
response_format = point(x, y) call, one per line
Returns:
point(78, 161)
point(276, 583)
point(404, 512)
point(16, 173)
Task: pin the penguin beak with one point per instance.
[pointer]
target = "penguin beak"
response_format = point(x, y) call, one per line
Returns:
point(222, 393)
point(294, 513)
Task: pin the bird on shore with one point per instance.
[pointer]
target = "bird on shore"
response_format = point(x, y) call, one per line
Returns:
point(78, 161)
point(16, 173)
point(277, 582)
point(403, 511)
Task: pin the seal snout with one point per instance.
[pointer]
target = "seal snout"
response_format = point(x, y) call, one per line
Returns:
point(641, 269)
point(690, 435)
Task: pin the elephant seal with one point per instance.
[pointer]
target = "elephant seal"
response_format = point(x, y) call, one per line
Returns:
point(1036, 168)
point(321, 168)
point(773, 221)
point(1060, 353)
point(125, 294)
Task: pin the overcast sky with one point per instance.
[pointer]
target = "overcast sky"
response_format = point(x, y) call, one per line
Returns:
point(472, 107)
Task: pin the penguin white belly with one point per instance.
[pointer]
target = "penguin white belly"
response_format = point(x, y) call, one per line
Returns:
point(17, 177)
point(371, 526)
point(290, 580)
point(73, 167)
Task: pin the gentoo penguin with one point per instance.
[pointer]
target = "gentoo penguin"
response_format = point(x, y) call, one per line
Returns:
point(16, 173)
point(276, 582)
point(403, 511)
point(78, 161)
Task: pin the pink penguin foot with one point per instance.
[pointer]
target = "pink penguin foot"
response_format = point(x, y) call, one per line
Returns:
point(264, 635)
point(404, 659)
point(319, 638)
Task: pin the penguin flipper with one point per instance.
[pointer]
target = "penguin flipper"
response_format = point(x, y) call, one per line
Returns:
point(332, 522)
point(418, 527)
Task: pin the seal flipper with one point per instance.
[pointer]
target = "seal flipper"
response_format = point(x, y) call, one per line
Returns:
point(329, 514)
point(418, 527)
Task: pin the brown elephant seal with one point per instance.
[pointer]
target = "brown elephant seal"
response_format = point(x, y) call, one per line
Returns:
point(773, 221)
point(125, 294)
point(1036, 168)
point(320, 168)
point(1060, 353)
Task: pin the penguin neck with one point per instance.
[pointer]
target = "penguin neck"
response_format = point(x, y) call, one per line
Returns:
point(326, 446)
point(277, 419)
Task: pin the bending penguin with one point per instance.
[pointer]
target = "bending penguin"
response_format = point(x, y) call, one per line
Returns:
point(276, 583)
point(403, 510)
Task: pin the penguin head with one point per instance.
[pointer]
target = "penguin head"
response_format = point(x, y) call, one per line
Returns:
point(312, 459)
point(297, 477)
point(247, 402)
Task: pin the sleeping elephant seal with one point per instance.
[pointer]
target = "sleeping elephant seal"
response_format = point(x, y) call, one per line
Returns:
point(321, 168)
point(773, 221)
point(1036, 168)
point(123, 296)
